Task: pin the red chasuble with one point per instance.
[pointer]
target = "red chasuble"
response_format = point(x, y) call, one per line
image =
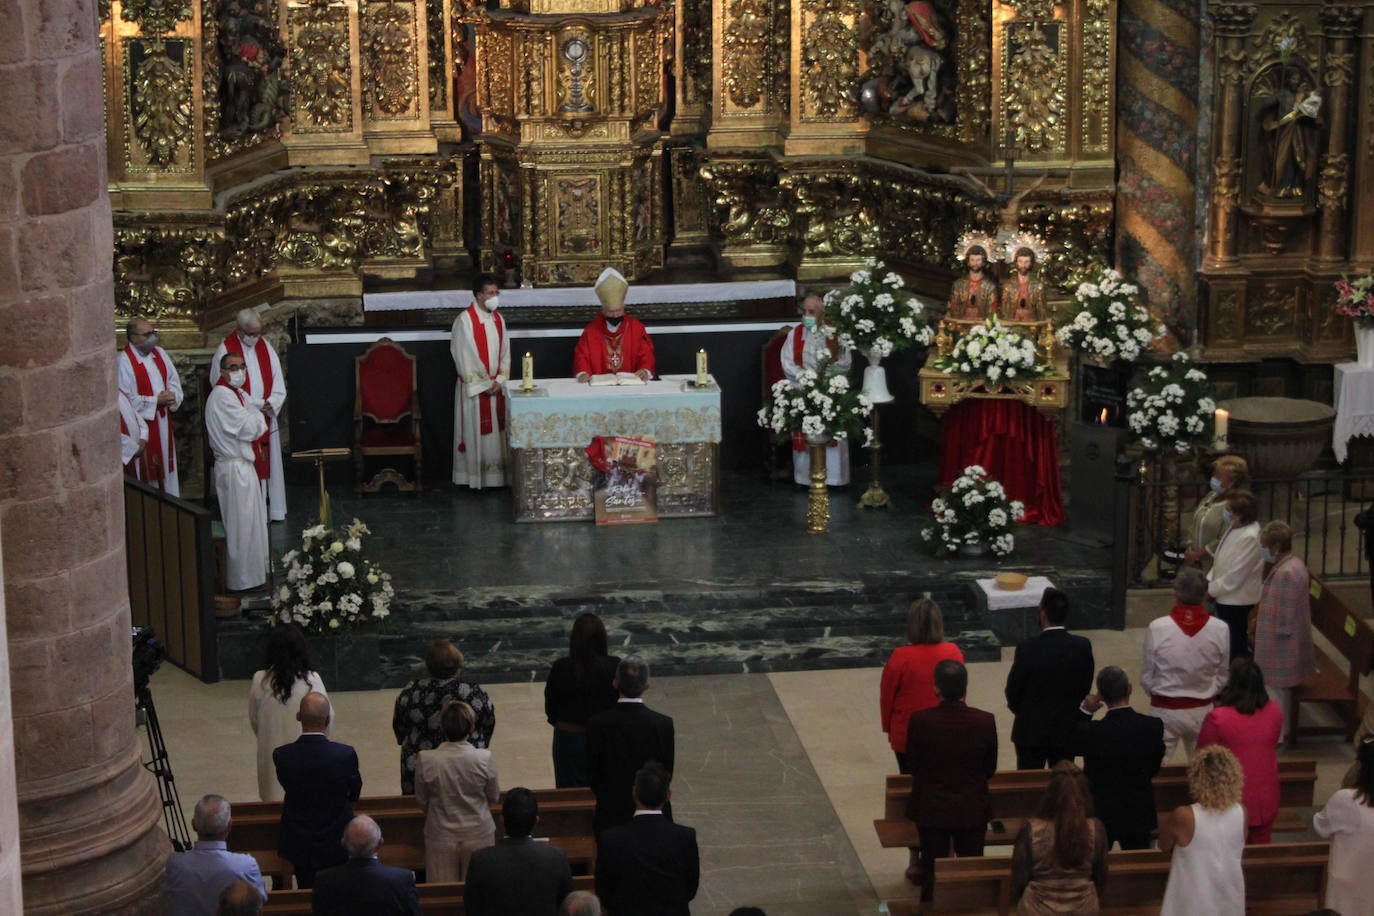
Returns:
point(627, 350)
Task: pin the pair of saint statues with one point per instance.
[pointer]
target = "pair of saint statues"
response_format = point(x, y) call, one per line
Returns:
point(1018, 299)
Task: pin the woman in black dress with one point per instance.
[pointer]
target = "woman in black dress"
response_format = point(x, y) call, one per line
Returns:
point(580, 684)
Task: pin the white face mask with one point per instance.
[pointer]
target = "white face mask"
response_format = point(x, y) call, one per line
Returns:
point(493, 303)
point(237, 378)
point(249, 340)
point(149, 343)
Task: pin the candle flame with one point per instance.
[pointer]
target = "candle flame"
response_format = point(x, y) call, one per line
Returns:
point(1102, 418)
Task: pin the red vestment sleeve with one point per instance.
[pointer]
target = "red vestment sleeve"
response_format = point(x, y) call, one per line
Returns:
point(589, 354)
point(643, 355)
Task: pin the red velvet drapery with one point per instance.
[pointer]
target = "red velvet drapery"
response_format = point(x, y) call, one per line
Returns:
point(1015, 444)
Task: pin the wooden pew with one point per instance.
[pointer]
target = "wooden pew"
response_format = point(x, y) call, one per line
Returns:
point(435, 899)
point(1335, 684)
point(1016, 795)
point(1281, 879)
point(565, 817)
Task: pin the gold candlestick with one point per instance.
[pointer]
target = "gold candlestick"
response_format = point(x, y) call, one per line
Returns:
point(875, 497)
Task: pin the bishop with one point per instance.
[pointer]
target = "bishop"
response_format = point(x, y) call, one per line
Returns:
point(613, 341)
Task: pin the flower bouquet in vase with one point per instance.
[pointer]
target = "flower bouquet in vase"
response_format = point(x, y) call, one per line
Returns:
point(1109, 325)
point(1355, 298)
point(1172, 410)
point(874, 315)
point(973, 516)
point(330, 586)
point(994, 352)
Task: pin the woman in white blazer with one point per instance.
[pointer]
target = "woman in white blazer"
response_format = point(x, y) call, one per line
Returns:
point(274, 699)
point(1237, 575)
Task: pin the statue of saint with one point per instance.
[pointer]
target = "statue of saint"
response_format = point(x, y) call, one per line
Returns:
point(1023, 295)
point(974, 296)
point(1289, 118)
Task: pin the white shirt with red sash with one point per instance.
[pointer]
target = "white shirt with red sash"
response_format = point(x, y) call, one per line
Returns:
point(803, 350)
point(143, 377)
point(233, 425)
point(481, 353)
point(265, 385)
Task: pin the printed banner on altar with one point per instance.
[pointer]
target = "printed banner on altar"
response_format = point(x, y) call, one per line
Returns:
point(624, 479)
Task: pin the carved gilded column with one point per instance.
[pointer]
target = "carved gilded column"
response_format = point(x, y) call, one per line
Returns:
point(1339, 23)
point(825, 69)
point(1232, 22)
point(750, 95)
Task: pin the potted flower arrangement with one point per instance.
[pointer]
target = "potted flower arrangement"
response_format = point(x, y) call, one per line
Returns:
point(972, 516)
point(874, 315)
point(1109, 325)
point(995, 352)
point(1355, 298)
point(1172, 409)
point(330, 586)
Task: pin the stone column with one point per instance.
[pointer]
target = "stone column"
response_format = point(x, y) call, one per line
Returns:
point(88, 812)
point(11, 886)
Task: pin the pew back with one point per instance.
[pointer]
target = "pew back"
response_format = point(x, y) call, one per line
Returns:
point(435, 899)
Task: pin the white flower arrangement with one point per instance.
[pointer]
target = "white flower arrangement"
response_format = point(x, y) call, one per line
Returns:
point(971, 510)
point(874, 315)
point(1109, 324)
point(330, 586)
point(993, 351)
point(1173, 408)
point(822, 403)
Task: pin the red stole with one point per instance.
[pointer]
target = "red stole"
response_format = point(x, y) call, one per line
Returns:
point(155, 470)
point(479, 339)
point(261, 460)
point(232, 344)
point(1191, 618)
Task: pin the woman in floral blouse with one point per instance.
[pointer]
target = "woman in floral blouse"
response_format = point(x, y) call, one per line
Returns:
point(416, 719)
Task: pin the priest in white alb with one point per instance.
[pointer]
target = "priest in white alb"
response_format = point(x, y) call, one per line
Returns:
point(235, 426)
point(811, 344)
point(481, 353)
point(147, 376)
point(133, 438)
point(266, 387)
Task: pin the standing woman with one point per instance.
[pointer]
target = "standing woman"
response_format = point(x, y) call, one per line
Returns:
point(1248, 725)
point(455, 785)
point(1237, 571)
point(908, 683)
point(1207, 839)
point(275, 698)
point(1229, 473)
point(1283, 621)
point(580, 684)
point(415, 719)
point(1059, 861)
point(1348, 821)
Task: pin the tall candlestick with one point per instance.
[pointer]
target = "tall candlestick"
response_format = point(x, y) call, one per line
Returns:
point(703, 378)
point(1223, 418)
point(527, 372)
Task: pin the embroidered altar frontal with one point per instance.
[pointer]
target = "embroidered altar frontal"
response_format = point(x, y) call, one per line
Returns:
point(548, 436)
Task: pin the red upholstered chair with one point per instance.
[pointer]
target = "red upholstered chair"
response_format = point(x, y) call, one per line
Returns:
point(386, 415)
point(772, 373)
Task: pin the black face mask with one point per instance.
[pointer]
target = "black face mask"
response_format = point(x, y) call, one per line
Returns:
point(612, 326)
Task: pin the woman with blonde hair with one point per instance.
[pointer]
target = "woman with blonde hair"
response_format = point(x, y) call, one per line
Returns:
point(1230, 472)
point(1207, 839)
point(1059, 861)
point(455, 785)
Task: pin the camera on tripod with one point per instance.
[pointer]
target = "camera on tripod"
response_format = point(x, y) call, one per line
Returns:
point(147, 658)
point(148, 655)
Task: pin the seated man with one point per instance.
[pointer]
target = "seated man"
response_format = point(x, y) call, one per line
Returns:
point(517, 877)
point(808, 347)
point(196, 877)
point(613, 341)
point(239, 899)
point(362, 886)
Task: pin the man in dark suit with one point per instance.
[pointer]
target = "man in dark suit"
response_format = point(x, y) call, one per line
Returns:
point(650, 866)
point(517, 877)
point(951, 750)
point(622, 739)
point(1049, 677)
point(321, 781)
point(362, 886)
point(1121, 755)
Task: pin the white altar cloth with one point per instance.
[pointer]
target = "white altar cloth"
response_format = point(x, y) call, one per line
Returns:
point(574, 413)
point(1354, 396)
point(1000, 600)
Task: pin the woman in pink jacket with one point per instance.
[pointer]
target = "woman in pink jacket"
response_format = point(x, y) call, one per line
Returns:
point(1248, 725)
point(1283, 621)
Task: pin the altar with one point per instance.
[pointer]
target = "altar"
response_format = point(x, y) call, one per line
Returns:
point(551, 476)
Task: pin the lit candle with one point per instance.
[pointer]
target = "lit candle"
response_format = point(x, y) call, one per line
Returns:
point(527, 371)
point(1222, 418)
point(702, 376)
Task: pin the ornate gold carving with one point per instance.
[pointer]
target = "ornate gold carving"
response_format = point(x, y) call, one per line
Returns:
point(648, 70)
point(780, 57)
point(1226, 176)
point(1233, 18)
point(155, 17)
point(320, 68)
point(1231, 64)
point(829, 59)
point(747, 207)
point(1284, 38)
point(837, 211)
point(1033, 87)
point(1041, 10)
point(389, 39)
point(495, 51)
point(1339, 66)
point(160, 100)
point(579, 214)
point(974, 91)
point(1227, 325)
point(746, 51)
point(689, 194)
point(577, 84)
point(1097, 56)
point(164, 272)
point(1333, 181)
point(1341, 20)
point(696, 49)
point(1275, 313)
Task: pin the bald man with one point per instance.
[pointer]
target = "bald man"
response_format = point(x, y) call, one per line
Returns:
point(363, 886)
point(265, 385)
point(321, 781)
point(148, 378)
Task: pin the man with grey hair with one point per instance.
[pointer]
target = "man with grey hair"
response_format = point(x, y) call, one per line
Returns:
point(265, 385)
point(812, 345)
point(239, 899)
point(580, 903)
point(622, 739)
point(195, 878)
point(1187, 656)
point(363, 886)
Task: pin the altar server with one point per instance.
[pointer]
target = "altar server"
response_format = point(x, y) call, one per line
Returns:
point(266, 389)
point(613, 341)
point(133, 436)
point(481, 352)
point(235, 426)
point(147, 376)
point(806, 348)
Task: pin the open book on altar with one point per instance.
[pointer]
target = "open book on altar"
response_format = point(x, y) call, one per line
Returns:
point(615, 378)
